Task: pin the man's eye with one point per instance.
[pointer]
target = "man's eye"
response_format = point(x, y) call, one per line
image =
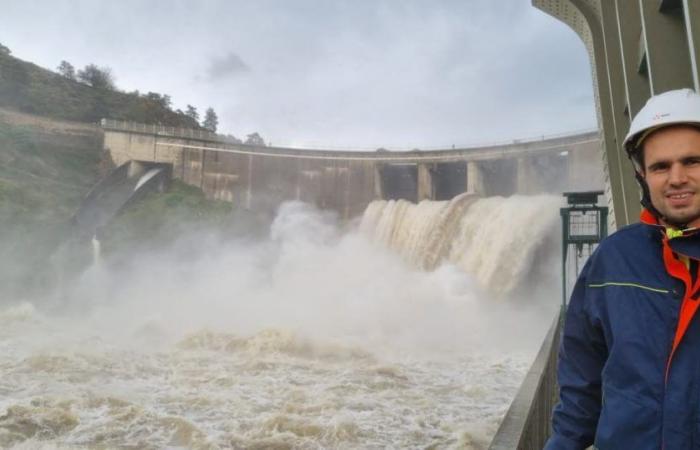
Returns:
point(658, 167)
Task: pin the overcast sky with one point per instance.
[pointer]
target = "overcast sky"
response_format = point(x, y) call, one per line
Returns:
point(329, 73)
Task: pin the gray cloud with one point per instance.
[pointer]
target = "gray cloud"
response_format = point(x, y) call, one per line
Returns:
point(228, 66)
point(367, 74)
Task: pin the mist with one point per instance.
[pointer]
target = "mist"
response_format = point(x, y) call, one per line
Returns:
point(312, 297)
point(316, 277)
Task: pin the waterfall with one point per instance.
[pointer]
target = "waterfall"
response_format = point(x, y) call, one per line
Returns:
point(147, 176)
point(494, 239)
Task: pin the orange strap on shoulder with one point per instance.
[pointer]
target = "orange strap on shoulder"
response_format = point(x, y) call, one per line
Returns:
point(677, 269)
point(689, 306)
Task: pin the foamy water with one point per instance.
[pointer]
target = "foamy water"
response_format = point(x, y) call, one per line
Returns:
point(317, 338)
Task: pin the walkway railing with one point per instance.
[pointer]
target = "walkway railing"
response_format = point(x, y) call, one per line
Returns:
point(582, 136)
point(526, 425)
point(190, 133)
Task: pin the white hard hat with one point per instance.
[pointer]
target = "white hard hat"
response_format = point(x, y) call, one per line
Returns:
point(680, 106)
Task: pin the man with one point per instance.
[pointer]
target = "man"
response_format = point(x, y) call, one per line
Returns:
point(629, 362)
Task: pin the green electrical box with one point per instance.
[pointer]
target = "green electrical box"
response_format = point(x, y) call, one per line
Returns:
point(584, 225)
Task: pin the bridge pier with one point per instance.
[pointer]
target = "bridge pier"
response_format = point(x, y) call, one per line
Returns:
point(378, 186)
point(475, 183)
point(523, 175)
point(136, 168)
point(425, 182)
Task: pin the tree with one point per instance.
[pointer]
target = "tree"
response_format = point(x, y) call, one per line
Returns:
point(4, 50)
point(67, 70)
point(233, 139)
point(211, 121)
point(255, 139)
point(192, 113)
point(163, 101)
point(97, 77)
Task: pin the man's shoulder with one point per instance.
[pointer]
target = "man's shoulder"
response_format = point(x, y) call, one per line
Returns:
point(633, 235)
point(635, 242)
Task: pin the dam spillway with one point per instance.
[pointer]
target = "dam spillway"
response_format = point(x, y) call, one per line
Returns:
point(494, 240)
point(319, 335)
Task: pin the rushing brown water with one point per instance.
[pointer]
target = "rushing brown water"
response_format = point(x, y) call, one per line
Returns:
point(315, 339)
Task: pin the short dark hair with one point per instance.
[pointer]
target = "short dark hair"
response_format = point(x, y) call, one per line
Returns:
point(638, 157)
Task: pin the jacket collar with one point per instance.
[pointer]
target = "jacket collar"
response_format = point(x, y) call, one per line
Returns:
point(685, 242)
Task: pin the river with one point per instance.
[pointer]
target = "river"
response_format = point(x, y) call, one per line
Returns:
point(323, 336)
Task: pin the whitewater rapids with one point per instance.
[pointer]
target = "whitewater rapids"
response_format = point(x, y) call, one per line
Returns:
point(315, 338)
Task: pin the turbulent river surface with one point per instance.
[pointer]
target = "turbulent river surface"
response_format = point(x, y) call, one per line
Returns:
point(321, 337)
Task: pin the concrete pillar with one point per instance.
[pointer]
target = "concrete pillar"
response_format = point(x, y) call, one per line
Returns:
point(618, 108)
point(203, 156)
point(629, 22)
point(425, 183)
point(691, 11)
point(346, 194)
point(524, 184)
point(620, 207)
point(298, 180)
point(249, 190)
point(666, 46)
point(136, 169)
point(378, 191)
point(475, 184)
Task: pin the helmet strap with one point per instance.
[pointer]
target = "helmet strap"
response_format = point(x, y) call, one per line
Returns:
point(646, 196)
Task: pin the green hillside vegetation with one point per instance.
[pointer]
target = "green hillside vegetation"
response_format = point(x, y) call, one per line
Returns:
point(51, 155)
point(45, 172)
point(160, 218)
point(44, 175)
point(32, 89)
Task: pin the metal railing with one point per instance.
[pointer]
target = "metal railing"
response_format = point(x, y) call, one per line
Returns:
point(526, 425)
point(577, 137)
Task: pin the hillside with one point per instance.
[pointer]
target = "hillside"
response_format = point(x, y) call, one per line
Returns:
point(51, 154)
point(46, 167)
point(32, 89)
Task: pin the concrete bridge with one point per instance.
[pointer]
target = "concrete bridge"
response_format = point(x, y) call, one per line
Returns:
point(347, 181)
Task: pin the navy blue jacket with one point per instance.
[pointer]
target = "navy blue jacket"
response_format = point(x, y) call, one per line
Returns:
point(619, 332)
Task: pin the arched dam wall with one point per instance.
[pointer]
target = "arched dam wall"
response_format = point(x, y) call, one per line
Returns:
point(261, 178)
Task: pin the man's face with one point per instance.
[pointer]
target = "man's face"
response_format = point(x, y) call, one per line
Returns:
point(672, 172)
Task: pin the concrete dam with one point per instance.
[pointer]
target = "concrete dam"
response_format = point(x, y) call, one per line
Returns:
point(261, 178)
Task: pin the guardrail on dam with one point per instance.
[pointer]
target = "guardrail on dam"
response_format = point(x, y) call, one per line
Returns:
point(526, 425)
point(260, 178)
